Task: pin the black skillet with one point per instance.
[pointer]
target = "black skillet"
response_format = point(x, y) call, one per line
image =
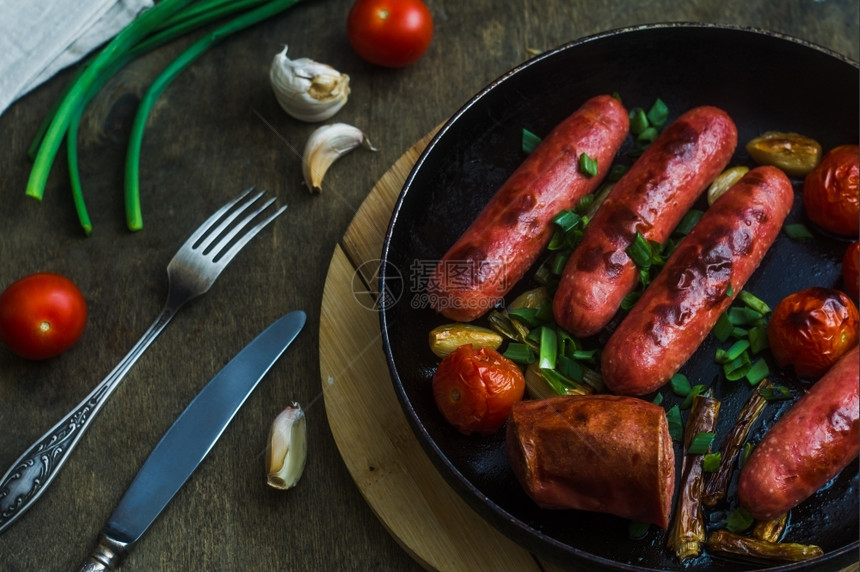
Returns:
point(765, 82)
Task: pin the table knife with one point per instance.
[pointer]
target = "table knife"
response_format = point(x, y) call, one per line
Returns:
point(188, 441)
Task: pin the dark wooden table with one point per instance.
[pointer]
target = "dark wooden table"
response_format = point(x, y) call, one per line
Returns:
point(215, 131)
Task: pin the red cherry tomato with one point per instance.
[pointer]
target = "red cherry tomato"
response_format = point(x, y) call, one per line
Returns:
point(831, 191)
point(42, 315)
point(390, 33)
point(851, 270)
point(811, 329)
point(475, 389)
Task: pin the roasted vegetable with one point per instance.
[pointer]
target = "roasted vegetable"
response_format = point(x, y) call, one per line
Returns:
point(729, 543)
point(446, 338)
point(794, 153)
point(687, 534)
point(717, 483)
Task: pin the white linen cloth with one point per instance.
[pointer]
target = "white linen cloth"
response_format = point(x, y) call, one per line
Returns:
point(38, 38)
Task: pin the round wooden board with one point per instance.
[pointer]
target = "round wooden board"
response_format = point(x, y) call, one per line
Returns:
point(395, 476)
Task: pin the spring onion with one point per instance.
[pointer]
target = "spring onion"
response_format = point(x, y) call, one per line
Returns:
point(673, 419)
point(798, 231)
point(700, 443)
point(775, 393)
point(739, 520)
point(529, 141)
point(588, 165)
point(548, 348)
point(519, 353)
point(658, 113)
point(711, 462)
point(757, 372)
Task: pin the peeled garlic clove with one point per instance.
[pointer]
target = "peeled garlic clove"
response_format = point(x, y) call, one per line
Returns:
point(325, 146)
point(308, 90)
point(287, 449)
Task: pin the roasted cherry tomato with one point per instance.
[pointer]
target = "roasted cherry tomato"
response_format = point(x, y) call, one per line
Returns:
point(851, 270)
point(390, 33)
point(831, 192)
point(42, 315)
point(475, 389)
point(811, 329)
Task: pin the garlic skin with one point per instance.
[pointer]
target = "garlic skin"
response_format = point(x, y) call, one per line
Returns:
point(325, 146)
point(287, 449)
point(307, 90)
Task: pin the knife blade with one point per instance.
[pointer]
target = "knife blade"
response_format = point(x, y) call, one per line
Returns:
point(184, 446)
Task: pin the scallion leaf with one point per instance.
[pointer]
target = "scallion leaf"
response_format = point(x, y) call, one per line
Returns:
point(798, 231)
point(757, 372)
point(566, 220)
point(526, 315)
point(640, 251)
point(700, 443)
point(673, 419)
point(519, 353)
point(758, 339)
point(569, 368)
point(588, 165)
point(529, 141)
point(548, 348)
point(739, 520)
point(775, 393)
point(658, 113)
point(688, 222)
point(711, 462)
point(648, 135)
point(737, 368)
point(694, 391)
point(615, 173)
point(723, 328)
point(680, 384)
point(743, 316)
point(638, 120)
point(753, 302)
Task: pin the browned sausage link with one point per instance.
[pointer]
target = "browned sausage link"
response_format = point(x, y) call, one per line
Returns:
point(651, 198)
point(809, 445)
point(512, 230)
point(699, 281)
point(600, 453)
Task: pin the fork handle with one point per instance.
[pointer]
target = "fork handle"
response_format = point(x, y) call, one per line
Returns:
point(30, 475)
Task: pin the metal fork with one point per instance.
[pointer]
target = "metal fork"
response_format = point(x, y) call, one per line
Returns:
point(191, 272)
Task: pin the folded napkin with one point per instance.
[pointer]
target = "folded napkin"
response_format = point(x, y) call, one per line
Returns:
point(38, 38)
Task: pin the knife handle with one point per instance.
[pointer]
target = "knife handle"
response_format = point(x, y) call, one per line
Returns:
point(107, 555)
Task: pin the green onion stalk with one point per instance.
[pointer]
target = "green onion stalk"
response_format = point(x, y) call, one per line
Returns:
point(134, 218)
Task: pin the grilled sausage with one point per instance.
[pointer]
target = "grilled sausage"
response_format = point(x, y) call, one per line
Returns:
point(699, 281)
point(512, 230)
point(600, 453)
point(809, 445)
point(651, 198)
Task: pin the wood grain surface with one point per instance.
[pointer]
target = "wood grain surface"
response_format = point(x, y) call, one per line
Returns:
point(216, 130)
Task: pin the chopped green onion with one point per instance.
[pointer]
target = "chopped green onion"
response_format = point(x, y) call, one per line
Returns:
point(566, 220)
point(739, 520)
point(738, 333)
point(658, 114)
point(734, 352)
point(689, 221)
point(775, 393)
point(548, 348)
point(585, 355)
point(737, 368)
point(758, 339)
point(519, 353)
point(730, 291)
point(588, 165)
point(673, 419)
point(529, 141)
point(640, 251)
point(723, 328)
point(700, 443)
point(569, 368)
point(638, 120)
point(746, 452)
point(711, 462)
point(743, 316)
point(658, 399)
point(754, 302)
point(616, 172)
point(798, 231)
point(648, 135)
point(630, 300)
point(526, 315)
point(757, 372)
point(558, 263)
point(680, 384)
point(694, 391)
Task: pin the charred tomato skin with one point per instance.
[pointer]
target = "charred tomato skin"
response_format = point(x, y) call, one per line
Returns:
point(811, 329)
point(831, 191)
point(475, 389)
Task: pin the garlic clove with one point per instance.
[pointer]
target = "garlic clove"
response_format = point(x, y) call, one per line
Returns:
point(325, 146)
point(287, 448)
point(307, 90)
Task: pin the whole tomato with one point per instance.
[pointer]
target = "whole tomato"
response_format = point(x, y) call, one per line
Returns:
point(42, 315)
point(831, 191)
point(475, 389)
point(851, 270)
point(390, 33)
point(811, 329)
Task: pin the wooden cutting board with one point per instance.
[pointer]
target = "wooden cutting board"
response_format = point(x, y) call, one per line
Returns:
point(398, 480)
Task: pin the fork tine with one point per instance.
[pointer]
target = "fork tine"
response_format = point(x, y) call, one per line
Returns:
point(207, 224)
point(223, 258)
point(213, 235)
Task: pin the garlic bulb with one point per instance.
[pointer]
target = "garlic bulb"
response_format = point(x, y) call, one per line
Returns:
point(326, 145)
point(287, 449)
point(308, 90)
